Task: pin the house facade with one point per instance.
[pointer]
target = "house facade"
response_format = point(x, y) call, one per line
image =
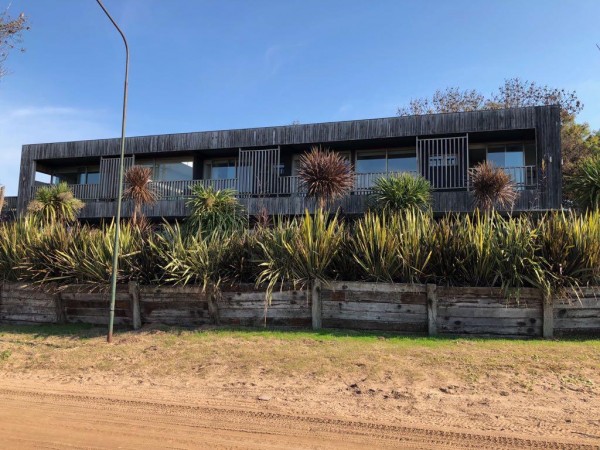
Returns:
point(261, 164)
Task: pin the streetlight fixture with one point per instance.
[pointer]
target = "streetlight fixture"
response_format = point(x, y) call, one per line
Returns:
point(115, 261)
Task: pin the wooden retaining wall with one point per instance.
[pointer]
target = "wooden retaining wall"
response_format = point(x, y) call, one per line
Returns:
point(349, 305)
point(245, 305)
point(578, 314)
point(374, 306)
point(22, 304)
point(486, 311)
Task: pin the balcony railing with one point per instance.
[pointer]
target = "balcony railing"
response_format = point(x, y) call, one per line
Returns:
point(10, 204)
point(525, 176)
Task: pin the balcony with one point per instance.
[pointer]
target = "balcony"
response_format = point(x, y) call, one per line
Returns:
point(286, 196)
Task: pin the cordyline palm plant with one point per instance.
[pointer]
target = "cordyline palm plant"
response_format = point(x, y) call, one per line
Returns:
point(214, 211)
point(55, 204)
point(325, 175)
point(492, 187)
point(399, 192)
point(585, 184)
point(138, 190)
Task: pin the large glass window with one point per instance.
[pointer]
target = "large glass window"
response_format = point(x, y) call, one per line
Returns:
point(221, 169)
point(402, 162)
point(386, 161)
point(506, 155)
point(512, 159)
point(371, 162)
point(170, 169)
point(76, 175)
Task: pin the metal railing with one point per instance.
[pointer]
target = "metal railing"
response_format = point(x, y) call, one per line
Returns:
point(10, 204)
point(524, 176)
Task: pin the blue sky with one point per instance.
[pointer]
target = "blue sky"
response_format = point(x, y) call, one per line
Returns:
point(203, 65)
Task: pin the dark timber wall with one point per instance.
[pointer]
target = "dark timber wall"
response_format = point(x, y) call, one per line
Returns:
point(544, 119)
point(350, 305)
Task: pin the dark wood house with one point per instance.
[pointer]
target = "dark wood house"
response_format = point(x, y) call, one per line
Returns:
point(261, 164)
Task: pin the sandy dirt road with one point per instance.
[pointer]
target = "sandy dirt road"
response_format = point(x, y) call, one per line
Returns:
point(80, 417)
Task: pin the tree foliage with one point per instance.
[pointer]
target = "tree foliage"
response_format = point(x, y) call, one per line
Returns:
point(11, 34)
point(514, 93)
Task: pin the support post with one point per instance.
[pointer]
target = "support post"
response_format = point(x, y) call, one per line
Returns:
point(61, 316)
point(432, 303)
point(548, 320)
point(213, 306)
point(134, 292)
point(315, 295)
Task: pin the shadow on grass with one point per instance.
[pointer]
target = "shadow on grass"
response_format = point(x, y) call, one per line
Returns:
point(85, 331)
point(74, 330)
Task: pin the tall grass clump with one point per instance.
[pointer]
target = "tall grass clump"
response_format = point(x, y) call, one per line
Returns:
point(584, 185)
point(570, 246)
point(193, 258)
point(14, 239)
point(301, 251)
point(393, 246)
point(88, 258)
point(465, 249)
point(401, 192)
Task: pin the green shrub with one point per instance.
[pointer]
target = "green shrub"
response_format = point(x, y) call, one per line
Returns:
point(191, 258)
point(301, 251)
point(55, 204)
point(401, 192)
point(584, 186)
point(214, 211)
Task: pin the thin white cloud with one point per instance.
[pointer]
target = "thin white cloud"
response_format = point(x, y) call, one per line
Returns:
point(42, 123)
point(44, 111)
point(276, 56)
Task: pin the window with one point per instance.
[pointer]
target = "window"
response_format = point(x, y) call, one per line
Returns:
point(76, 175)
point(296, 161)
point(512, 159)
point(405, 161)
point(506, 155)
point(220, 169)
point(170, 169)
point(384, 161)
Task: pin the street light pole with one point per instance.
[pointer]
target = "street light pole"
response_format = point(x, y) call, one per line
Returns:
point(115, 261)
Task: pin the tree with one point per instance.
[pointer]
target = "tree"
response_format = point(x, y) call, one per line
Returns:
point(11, 30)
point(325, 174)
point(513, 93)
point(578, 141)
point(137, 179)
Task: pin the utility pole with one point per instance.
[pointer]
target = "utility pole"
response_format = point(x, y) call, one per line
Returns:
point(115, 262)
